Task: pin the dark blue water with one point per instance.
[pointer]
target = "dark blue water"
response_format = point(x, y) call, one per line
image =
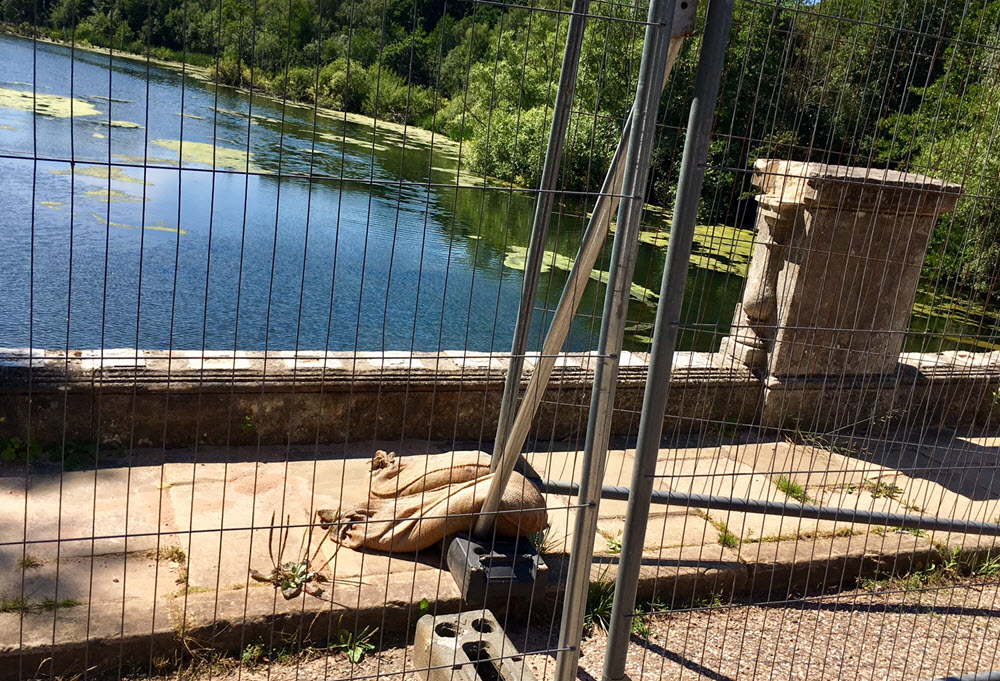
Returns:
point(389, 258)
point(111, 238)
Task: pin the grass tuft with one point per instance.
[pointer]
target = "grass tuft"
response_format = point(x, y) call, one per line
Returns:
point(175, 554)
point(792, 489)
point(727, 538)
point(600, 598)
point(544, 542)
point(29, 562)
point(26, 606)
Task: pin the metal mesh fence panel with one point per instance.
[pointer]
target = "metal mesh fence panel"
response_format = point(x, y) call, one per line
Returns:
point(266, 266)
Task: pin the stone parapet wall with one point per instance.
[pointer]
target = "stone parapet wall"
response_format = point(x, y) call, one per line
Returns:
point(182, 398)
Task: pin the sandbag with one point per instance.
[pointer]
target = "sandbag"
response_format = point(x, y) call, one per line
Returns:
point(415, 502)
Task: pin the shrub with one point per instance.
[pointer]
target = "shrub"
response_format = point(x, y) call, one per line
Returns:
point(342, 87)
point(511, 145)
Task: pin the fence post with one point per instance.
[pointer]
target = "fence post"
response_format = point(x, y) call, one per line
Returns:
point(533, 261)
point(654, 403)
point(652, 67)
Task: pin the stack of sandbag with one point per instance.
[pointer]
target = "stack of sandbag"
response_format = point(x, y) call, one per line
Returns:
point(416, 501)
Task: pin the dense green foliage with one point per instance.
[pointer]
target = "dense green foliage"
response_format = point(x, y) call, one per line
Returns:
point(905, 83)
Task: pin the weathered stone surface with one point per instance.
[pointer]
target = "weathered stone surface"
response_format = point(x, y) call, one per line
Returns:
point(679, 576)
point(181, 399)
point(781, 569)
point(833, 278)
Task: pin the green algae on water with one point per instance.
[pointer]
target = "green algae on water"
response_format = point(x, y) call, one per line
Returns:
point(211, 155)
point(637, 291)
point(115, 196)
point(54, 205)
point(99, 136)
point(101, 173)
point(722, 248)
point(57, 106)
point(121, 124)
point(146, 160)
point(516, 259)
point(156, 226)
point(9, 128)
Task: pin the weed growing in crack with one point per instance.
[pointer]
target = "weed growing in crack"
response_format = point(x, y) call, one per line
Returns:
point(878, 489)
point(613, 540)
point(299, 576)
point(29, 562)
point(175, 554)
point(792, 489)
point(727, 538)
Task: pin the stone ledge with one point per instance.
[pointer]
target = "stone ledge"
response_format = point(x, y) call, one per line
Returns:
point(185, 398)
point(781, 569)
point(131, 369)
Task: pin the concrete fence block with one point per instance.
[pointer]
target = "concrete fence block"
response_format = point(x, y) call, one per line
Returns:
point(467, 646)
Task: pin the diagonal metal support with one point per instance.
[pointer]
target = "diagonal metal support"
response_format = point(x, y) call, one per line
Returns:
point(510, 438)
point(540, 225)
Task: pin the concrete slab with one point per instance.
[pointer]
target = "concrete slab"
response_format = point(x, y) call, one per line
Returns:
point(61, 512)
point(942, 466)
point(803, 464)
point(220, 503)
point(711, 472)
point(665, 530)
point(94, 580)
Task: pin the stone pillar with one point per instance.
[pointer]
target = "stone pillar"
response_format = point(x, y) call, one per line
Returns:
point(832, 281)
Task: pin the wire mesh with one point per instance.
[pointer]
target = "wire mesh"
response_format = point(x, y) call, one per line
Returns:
point(247, 244)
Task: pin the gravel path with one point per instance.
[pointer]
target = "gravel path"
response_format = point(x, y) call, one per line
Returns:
point(906, 635)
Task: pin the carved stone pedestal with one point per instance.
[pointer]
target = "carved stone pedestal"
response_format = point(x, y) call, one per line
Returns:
point(832, 281)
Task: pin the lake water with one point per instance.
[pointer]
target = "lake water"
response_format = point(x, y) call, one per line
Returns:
point(115, 234)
